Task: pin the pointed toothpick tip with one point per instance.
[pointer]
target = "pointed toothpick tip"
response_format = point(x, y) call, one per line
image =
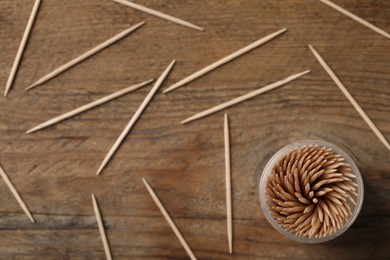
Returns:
point(138, 25)
point(31, 86)
point(173, 62)
point(101, 167)
point(312, 48)
point(6, 92)
point(165, 91)
point(99, 170)
point(197, 28)
point(29, 215)
point(185, 121)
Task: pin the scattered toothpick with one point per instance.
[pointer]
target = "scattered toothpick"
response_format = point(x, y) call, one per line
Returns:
point(158, 14)
point(224, 60)
point(135, 117)
point(169, 220)
point(22, 45)
point(89, 106)
point(85, 55)
point(16, 194)
point(356, 18)
point(350, 97)
point(102, 231)
point(245, 97)
point(228, 185)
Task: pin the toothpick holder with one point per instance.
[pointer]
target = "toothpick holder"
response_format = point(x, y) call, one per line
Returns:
point(311, 191)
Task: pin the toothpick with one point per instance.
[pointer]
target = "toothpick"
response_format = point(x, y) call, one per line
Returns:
point(89, 106)
point(245, 97)
point(350, 98)
point(22, 45)
point(159, 14)
point(85, 55)
point(224, 60)
point(135, 117)
point(228, 185)
point(102, 231)
point(356, 18)
point(169, 219)
point(16, 194)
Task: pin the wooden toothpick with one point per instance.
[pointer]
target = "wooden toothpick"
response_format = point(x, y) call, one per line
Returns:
point(169, 220)
point(224, 60)
point(348, 95)
point(245, 97)
point(89, 106)
point(356, 18)
point(16, 194)
point(135, 117)
point(85, 55)
point(158, 14)
point(102, 231)
point(228, 181)
point(22, 45)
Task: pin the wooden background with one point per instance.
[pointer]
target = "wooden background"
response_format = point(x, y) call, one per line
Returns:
point(54, 169)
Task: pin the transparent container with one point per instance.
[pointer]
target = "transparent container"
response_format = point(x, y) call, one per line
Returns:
point(268, 170)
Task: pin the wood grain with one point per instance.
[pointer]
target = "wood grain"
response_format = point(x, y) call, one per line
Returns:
point(55, 169)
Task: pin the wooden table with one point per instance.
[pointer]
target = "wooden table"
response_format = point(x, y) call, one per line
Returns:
point(54, 169)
